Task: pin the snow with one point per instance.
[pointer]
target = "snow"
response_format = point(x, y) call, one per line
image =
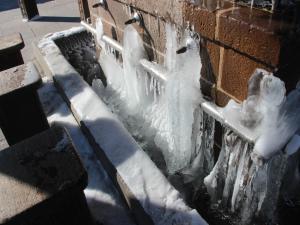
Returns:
point(158, 198)
point(103, 199)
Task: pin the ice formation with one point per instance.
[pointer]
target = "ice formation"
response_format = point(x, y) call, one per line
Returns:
point(247, 177)
point(249, 190)
point(150, 102)
point(263, 113)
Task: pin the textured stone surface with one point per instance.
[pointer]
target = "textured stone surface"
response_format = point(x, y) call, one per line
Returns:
point(37, 169)
point(235, 72)
point(254, 32)
point(17, 78)
point(13, 42)
point(201, 18)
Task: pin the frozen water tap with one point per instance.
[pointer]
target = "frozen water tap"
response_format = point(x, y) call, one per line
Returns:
point(101, 3)
point(188, 45)
point(136, 18)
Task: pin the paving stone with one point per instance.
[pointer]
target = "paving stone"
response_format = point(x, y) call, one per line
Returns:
point(11, 22)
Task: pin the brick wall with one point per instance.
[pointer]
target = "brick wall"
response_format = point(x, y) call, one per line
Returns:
point(235, 39)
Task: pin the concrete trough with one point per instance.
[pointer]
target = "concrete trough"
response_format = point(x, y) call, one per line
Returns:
point(149, 195)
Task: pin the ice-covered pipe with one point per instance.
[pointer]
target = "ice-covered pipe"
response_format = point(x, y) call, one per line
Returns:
point(160, 73)
point(155, 69)
point(111, 42)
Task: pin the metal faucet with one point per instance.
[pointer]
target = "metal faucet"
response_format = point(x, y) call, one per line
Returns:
point(101, 3)
point(137, 17)
point(188, 45)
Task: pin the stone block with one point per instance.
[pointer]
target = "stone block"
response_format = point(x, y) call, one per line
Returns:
point(203, 20)
point(256, 33)
point(235, 71)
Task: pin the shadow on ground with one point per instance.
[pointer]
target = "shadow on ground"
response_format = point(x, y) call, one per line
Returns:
point(68, 19)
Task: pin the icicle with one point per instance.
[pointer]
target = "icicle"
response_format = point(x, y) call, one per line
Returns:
point(158, 88)
point(146, 85)
point(252, 3)
point(151, 83)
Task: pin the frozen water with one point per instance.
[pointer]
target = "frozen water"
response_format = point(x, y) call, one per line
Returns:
point(151, 189)
point(149, 103)
point(279, 124)
point(293, 145)
point(248, 189)
point(247, 178)
point(262, 113)
point(132, 54)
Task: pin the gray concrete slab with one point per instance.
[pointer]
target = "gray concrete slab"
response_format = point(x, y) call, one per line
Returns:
point(55, 15)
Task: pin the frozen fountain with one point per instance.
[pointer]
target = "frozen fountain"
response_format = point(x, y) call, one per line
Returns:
point(163, 109)
point(249, 172)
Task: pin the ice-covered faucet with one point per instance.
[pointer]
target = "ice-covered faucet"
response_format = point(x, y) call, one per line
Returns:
point(188, 45)
point(101, 3)
point(136, 18)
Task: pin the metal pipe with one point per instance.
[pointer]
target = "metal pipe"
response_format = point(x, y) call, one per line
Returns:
point(113, 43)
point(154, 69)
point(101, 3)
point(135, 18)
point(160, 72)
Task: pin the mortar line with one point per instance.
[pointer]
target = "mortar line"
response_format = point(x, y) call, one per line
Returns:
point(220, 68)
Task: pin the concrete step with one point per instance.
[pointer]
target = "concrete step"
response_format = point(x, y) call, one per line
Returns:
point(42, 181)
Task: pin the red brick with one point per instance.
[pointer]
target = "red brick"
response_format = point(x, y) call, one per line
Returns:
point(214, 54)
point(236, 70)
point(253, 32)
point(203, 20)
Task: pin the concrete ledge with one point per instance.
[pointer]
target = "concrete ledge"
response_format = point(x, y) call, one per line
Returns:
point(149, 195)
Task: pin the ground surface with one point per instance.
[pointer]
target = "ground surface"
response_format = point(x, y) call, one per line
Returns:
point(55, 15)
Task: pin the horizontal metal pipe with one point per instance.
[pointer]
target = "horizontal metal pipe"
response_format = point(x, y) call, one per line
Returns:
point(89, 27)
point(159, 72)
point(154, 69)
point(113, 43)
point(213, 110)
